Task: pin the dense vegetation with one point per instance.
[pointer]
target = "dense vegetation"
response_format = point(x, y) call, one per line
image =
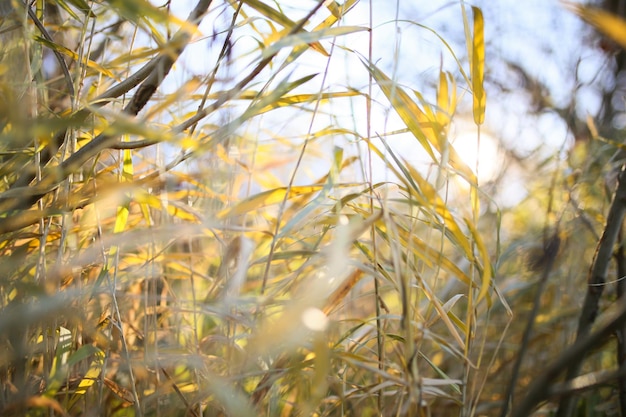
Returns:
point(251, 211)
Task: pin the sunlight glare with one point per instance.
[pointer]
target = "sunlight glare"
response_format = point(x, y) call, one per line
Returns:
point(490, 159)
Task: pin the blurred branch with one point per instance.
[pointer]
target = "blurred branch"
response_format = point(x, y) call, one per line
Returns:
point(621, 333)
point(66, 72)
point(550, 250)
point(151, 80)
point(597, 280)
point(28, 173)
point(24, 196)
point(573, 356)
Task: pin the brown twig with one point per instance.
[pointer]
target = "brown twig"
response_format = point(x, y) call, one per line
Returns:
point(597, 280)
point(573, 356)
point(620, 285)
point(544, 264)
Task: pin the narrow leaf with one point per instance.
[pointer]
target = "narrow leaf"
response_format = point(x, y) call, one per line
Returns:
point(611, 25)
point(302, 38)
point(485, 265)
point(477, 68)
point(267, 198)
point(65, 51)
point(407, 109)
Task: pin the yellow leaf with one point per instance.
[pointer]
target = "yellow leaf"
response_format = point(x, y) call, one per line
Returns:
point(444, 110)
point(486, 263)
point(611, 25)
point(431, 198)
point(121, 218)
point(477, 68)
point(93, 373)
point(68, 52)
point(407, 109)
point(302, 38)
point(267, 198)
point(281, 19)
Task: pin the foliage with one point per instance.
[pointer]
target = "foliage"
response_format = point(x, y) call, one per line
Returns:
point(193, 220)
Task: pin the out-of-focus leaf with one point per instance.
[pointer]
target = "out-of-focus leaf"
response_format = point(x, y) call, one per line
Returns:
point(446, 98)
point(65, 51)
point(79, 4)
point(611, 25)
point(485, 265)
point(136, 55)
point(127, 176)
point(267, 198)
point(287, 101)
point(180, 211)
point(278, 17)
point(338, 11)
point(93, 373)
point(141, 9)
point(301, 38)
point(270, 13)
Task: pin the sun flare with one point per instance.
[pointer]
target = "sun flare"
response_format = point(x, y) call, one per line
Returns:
point(485, 158)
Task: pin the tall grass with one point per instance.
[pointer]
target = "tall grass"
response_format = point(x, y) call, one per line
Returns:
point(220, 243)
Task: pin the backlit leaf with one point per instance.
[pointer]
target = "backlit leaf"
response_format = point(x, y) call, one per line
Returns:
point(267, 198)
point(477, 68)
point(611, 25)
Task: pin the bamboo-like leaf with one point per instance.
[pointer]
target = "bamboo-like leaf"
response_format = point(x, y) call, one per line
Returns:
point(93, 373)
point(433, 200)
point(137, 55)
point(303, 38)
point(442, 374)
point(427, 196)
point(410, 113)
point(611, 25)
point(65, 51)
point(270, 13)
point(485, 265)
point(280, 18)
point(267, 198)
point(446, 98)
point(338, 11)
point(432, 257)
point(288, 101)
point(443, 315)
point(180, 211)
point(142, 9)
point(79, 4)
point(423, 124)
point(443, 99)
point(477, 68)
point(127, 176)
